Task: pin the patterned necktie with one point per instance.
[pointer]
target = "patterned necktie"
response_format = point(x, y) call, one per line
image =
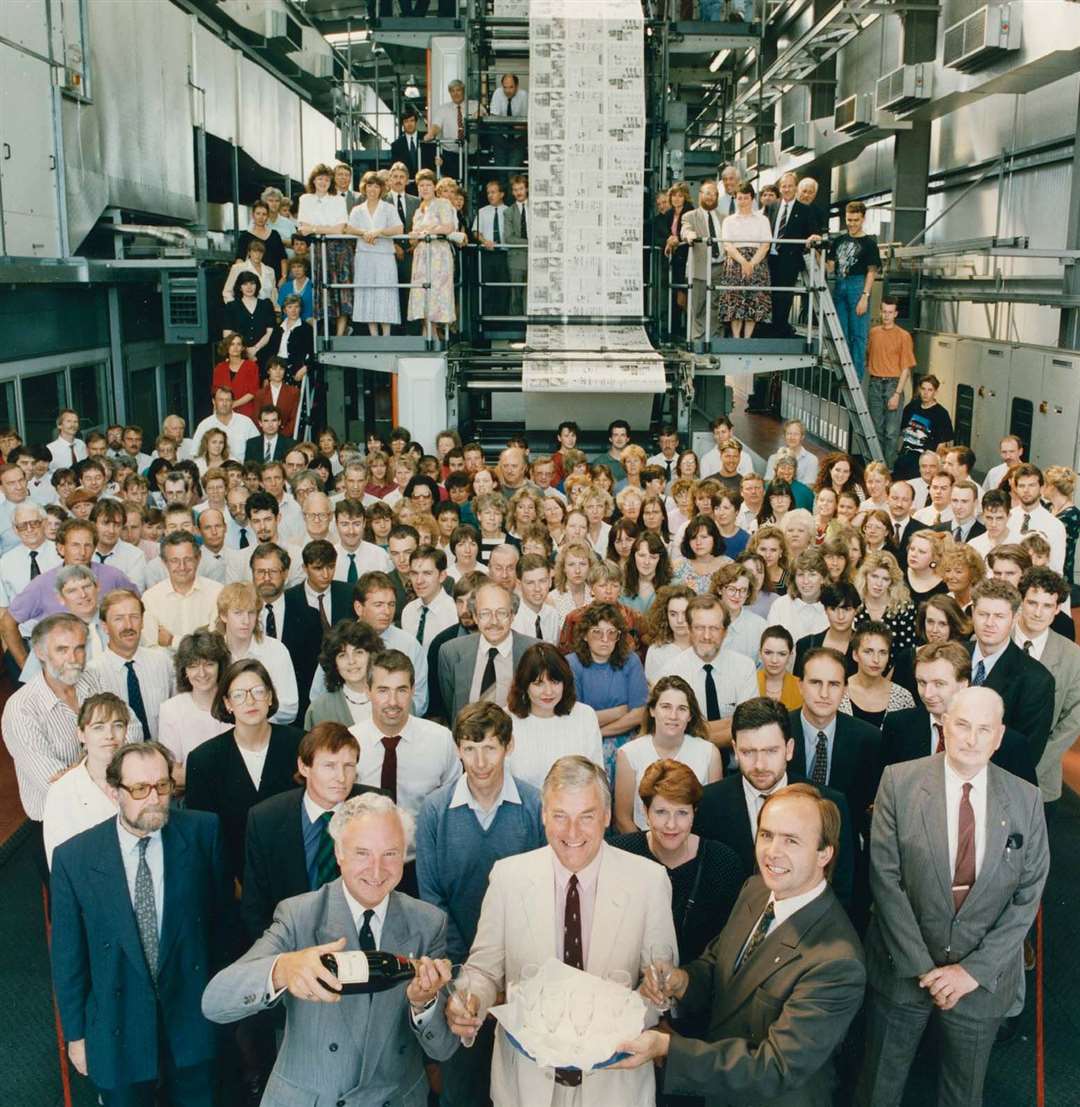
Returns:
point(573, 955)
point(135, 700)
point(268, 452)
point(421, 624)
point(146, 910)
point(401, 208)
point(1026, 524)
point(35, 568)
point(488, 679)
point(352, 576)
point(979, 676)
point(326, 866)
point(819, 774)
point(322, 612)
point(761, 932)
point(712, 702)
point(270, 622)
point(388, 776)
point(365, 935)
point(244, 538)
point(460, 124)
point(539, 632)
point(785, 214)
point(964, 873)
point(940, 747)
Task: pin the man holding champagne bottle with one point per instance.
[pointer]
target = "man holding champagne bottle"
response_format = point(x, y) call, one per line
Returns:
point(371, 1049)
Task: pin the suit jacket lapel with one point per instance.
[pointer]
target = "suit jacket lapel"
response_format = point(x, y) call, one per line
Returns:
point(538, 901)
point(107, 870)
point(178, 902)
point(935, 820)
point(289, 844)
point(608, 911)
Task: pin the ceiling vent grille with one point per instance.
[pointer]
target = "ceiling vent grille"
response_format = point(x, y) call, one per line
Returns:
point(981, 39)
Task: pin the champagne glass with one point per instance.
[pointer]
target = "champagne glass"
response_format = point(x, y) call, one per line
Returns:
point(615, 999)
point(463, 992)
point(661, 964)
point(552, 1007)
point(581, 1010)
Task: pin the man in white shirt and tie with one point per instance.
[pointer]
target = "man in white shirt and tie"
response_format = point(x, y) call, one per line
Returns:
point(447, 122)
point(108, 517)
point(433, 610)
point(535, 616)
point(517, 235)
point(964, 501)
point(65, 448)
point(34, 555)
point(355, 556)
point(490, 230)
point(1030, 516)
point(509, 101)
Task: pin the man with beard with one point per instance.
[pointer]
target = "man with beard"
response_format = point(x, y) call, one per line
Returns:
point(701, 228)
point(40, 719)
point(139, 907)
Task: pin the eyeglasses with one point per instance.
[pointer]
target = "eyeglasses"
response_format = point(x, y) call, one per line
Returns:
point(485, 616)
point(610, 635)
point(141, 791)
point(242, 695)
point(318, 515)
point(30, 524)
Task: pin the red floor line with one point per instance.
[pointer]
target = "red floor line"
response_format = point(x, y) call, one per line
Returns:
point(1040, 1044)
point(65, 1076)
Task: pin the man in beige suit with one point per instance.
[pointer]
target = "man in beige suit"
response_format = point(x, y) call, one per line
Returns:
point(576, 899)
point(699, 226)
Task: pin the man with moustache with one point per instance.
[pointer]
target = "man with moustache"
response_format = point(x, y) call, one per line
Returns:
point(780, 984)
point(701, 228)
point(140, 904)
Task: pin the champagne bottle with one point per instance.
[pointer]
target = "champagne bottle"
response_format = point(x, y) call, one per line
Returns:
point(374, 971)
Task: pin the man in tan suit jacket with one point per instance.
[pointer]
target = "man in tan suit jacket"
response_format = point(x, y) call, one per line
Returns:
point(706, 259)
point(625, 908)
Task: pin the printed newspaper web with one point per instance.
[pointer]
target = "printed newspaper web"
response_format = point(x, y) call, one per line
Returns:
point(586, 180)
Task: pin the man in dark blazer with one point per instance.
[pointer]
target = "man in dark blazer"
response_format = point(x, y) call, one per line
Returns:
point(467, 674)
point(942, 669)
point(410, 151)
point(790, 219)
point(763, 746)
point(352, 1049)
point(1025, 686)
point(779, 985)
point(129, 968)
point(903, 522)
point(270, 444)
point(951, 905)
point(464, 587)
point(304, 627)
point(288, 850)
point(852, 747)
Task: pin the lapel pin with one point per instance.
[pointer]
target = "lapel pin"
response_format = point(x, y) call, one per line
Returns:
point(776, 960)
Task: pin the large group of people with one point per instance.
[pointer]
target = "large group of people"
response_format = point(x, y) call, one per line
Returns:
point(480, 712)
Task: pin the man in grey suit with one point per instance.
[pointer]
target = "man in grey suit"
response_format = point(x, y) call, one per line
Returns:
point(517, 235)
point(405, 205)
point(1042, 592)
point(958, 860)
point(367, 1049)
point(780, 984)
point(706, 263)
point(468, 673)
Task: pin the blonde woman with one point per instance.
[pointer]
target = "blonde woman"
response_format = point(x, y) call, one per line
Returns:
point(877, 479)
point(432, 295)
point(799, 531)
point(375, 223)
point(524, 509)
point(962, 568)
point(598, 506)
point(924, 552)
point(633, 459)
point(1059, 490)
point(322, 211)
point(571, 577)
point(769, 543)
point(885, 599)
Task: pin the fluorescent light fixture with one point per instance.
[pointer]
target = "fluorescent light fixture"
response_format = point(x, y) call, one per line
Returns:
point(719, 60)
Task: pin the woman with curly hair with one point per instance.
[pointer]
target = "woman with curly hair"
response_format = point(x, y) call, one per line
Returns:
point(666, 629)
point(840, 472)
point(549, 720)
point(940, 619)
point(525, 508)
point(702, 550)
point(628, 502)
point(347, 649)
point(608, 676)
point(680, 504)
point(798, 528)
point(1059, 489)
point(571, 577)
point(736, 587)
point(674, 729)
point(961, 568)
point(646, 570)
point(870, 694)
point(769, 543)
point(885, 599)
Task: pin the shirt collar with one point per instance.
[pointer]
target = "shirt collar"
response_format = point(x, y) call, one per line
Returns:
point(587, 877)
point(1038, 642)
point(783, 909)
point(313, 810)
point(752, 793)
point(955, 780)
point(978, 655)
point(463, 796)
point(504, 647)
point(357, 909)
point(312, 594)
point(129, 843)
point(809, 729)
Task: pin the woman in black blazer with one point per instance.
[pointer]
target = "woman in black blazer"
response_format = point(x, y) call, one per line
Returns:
point(252, 761)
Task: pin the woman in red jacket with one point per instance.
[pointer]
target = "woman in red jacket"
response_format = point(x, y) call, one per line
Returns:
point(235, 372)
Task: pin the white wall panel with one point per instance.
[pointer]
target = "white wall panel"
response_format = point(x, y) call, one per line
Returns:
point(318, 139)
point(215, 71)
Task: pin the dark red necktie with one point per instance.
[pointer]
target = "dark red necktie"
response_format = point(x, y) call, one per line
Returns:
point(964, 873)
point(940, 747)
point(388, 778)
point(573, 956)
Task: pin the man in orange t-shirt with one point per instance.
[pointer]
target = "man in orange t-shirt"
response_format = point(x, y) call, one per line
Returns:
point(890, 357)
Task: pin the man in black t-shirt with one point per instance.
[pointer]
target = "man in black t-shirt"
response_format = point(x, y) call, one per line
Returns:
point(924, 425)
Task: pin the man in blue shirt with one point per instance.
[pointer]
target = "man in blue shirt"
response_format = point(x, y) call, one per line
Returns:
point(463, 829)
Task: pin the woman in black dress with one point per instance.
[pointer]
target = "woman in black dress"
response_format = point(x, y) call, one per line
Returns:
point(250, 316)
point(274, 254)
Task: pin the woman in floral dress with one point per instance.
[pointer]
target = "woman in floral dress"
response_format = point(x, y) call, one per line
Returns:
point(433, 262)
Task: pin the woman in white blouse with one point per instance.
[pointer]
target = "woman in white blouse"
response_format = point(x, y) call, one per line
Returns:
point(322, 211)
point(746, 236)
point(346, 650)
point(666, 629)
point(375, 223)
point(674, 729)
point(184, 721)
point(80, 798)
point(238, 622)
point(801, 611)
point(549, 723)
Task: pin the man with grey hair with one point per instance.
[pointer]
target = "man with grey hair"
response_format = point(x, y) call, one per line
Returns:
point(39, 720)
point(184, 601)
point(958, 860)
point(446, 123)
point(77, 589)
point(481, 666)
point(35, 554)
point(502, 568)
point(383, 1037)
point(513, 472)
point(596, 908)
